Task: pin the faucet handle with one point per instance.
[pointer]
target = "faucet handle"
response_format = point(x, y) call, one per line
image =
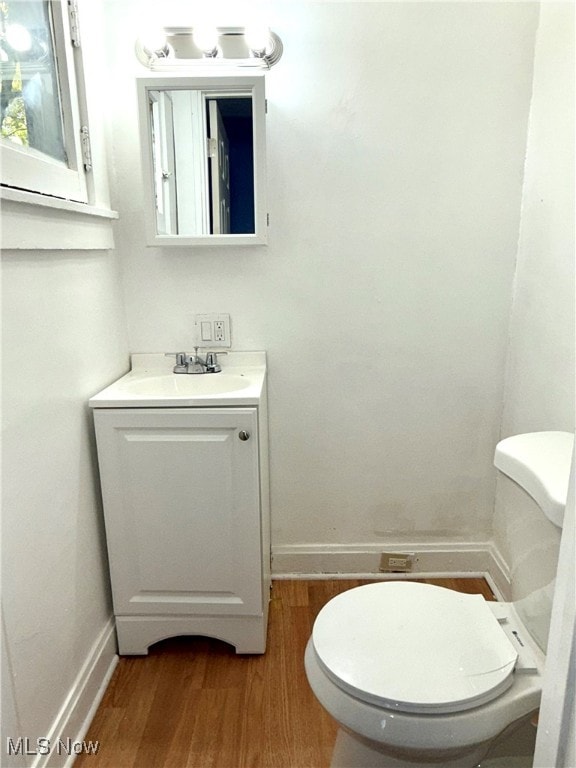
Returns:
point(181, 361)
point(180, 356)
point(212, 364)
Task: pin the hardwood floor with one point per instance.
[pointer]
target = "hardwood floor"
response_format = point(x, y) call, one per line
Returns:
point(193, 703)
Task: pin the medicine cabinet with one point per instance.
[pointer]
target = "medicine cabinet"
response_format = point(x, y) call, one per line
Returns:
point(203, 143)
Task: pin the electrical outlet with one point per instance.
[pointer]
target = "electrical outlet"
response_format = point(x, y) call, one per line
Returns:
point(212, 331)
point(396, 562)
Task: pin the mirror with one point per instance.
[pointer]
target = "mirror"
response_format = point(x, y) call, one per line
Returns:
point(203, 159)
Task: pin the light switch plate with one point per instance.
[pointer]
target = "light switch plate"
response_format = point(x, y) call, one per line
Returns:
point(212, 331)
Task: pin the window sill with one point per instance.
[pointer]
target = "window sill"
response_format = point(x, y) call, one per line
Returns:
point(37, 222)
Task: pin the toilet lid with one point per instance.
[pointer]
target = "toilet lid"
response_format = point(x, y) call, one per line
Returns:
point(414, 647)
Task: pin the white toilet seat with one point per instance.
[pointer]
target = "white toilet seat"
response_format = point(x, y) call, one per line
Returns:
point(414, 647)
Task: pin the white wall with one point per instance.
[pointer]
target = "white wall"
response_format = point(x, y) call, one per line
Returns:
point(62, 342)
point(63, 339)
point(540, 373)
point(396, 139)
point(539, 392)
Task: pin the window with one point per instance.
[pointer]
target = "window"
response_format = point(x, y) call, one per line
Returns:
point(41, 136)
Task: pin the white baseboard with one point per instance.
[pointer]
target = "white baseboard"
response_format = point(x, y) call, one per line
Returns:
point(71, 724)
point(363, 560)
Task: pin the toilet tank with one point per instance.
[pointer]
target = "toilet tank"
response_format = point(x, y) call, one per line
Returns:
point(530, 503)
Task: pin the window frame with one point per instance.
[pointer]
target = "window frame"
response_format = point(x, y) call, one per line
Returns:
point(25, 169)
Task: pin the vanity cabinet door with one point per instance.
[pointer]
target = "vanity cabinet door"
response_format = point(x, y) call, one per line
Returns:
point(182, 511)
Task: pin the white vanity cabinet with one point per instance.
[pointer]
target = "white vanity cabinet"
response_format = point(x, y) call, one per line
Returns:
point(185, 508)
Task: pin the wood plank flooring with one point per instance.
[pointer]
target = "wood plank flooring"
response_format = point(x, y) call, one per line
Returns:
point(193, 703)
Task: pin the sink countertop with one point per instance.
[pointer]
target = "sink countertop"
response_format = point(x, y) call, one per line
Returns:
point(151, 383)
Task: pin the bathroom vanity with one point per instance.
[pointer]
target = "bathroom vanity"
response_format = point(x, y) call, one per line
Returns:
point(184, 475)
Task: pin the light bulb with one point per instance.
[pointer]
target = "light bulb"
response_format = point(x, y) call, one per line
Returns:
point(153, 40)
point(206, 39)
point(257, 38)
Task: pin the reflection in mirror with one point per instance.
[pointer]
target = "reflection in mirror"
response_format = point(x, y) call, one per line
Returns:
point(204, 148)
point(203, 162)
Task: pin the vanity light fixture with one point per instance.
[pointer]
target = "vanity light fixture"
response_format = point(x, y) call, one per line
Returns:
point(179, 48)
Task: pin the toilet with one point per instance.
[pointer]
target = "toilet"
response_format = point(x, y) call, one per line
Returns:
point(419, 675)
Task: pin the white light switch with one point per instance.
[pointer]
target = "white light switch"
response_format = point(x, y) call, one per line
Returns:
point(206, 330)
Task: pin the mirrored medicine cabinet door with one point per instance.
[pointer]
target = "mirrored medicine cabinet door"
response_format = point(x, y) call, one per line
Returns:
point(203, 159)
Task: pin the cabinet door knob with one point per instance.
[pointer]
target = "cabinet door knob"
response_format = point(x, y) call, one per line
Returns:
point(243, 435)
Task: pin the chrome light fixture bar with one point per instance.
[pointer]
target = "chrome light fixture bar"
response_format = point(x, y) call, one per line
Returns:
point(185, 47)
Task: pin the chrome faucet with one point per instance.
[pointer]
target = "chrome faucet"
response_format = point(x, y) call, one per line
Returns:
point(194, 364)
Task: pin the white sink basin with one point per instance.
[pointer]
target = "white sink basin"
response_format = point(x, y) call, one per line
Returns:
point(194, 385)
point(151, 383)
